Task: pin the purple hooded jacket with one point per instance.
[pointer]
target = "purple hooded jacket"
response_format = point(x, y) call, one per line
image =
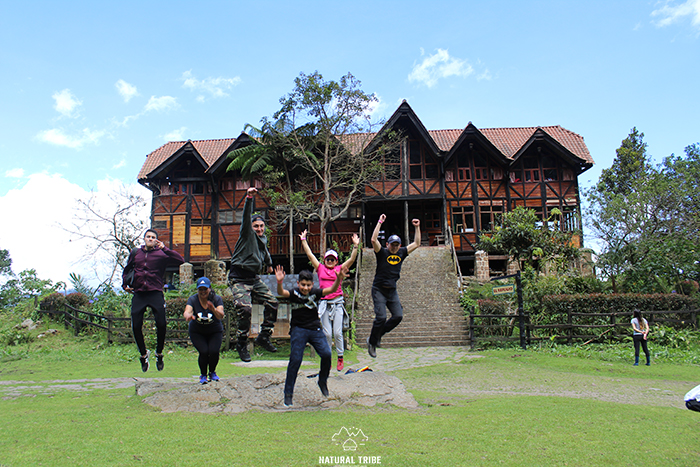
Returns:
point(149, 267)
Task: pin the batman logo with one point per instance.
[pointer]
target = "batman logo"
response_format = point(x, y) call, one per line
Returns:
point(393, 260)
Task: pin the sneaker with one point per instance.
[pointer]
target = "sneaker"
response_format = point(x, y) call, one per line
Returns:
point(287, 400)
point(263, 340)
point(144, 362)
point(242, 349)
point(213, 376)
point(324, 388)
point(372, 350)
point(203, 379)
point(340, 363)
point(159, 362)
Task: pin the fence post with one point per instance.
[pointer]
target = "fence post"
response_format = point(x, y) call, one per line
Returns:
point(109, 329)
point(571, 327)
point(470, 323)
point(613, 323)
point(227, 334)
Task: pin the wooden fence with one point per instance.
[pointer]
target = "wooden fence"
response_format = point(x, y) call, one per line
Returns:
point(119, 329)
point(571, 326)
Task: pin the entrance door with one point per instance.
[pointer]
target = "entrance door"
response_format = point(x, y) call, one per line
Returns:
point(429, 212)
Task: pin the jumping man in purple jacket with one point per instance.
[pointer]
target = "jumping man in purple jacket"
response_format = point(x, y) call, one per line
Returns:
point(148, 264)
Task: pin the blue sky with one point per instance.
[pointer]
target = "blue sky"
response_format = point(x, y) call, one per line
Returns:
point(88, 89)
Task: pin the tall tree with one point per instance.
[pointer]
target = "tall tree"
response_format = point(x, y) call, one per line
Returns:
point(646, 219)
point(327, 127)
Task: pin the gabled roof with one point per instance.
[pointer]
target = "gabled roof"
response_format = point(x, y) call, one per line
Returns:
point(209, 149)
point(509, 142)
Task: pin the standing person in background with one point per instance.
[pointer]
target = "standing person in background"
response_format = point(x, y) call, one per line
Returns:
point(204, 311)
point(250, 257)
point(640, 330)
point(384, 295)
point(144, 276)
point(331, 309)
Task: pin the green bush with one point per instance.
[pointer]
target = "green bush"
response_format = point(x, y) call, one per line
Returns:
point(53, 301)
point(14, 336)
point(78, 300)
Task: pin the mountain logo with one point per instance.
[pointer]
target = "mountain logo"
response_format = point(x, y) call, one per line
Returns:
point(350, 439)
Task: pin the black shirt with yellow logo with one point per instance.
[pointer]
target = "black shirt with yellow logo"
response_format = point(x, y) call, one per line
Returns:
point(389, 267)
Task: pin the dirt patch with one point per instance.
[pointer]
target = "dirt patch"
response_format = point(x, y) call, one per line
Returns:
point(264, 392)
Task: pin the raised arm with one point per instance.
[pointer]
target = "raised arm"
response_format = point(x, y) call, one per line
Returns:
point(307, 250)
point(375, 235)
point(353, 253)
point(416, 237)
point(279, 275)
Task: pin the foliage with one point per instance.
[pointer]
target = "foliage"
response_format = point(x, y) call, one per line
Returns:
point(26, 287)
point(111, 302)
point(80, 285)
point(315, 152)
point(14, 336)
point(689, 287)
point(78, 300)
point(670, 337)
point(519, 236)
point(645, 218)
point(53, 301)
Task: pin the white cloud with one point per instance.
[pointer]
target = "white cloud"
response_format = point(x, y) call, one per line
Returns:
point(66, 103)
point(15, 173)
point(39, 242)
point(126, 90)
point(120, 164)
point(161, 104)
point(58, 137)
point(214, 87)
point(671, 14)
point(437, 66)
point(176, 135)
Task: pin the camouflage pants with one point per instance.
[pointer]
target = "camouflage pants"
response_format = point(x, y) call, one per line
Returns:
point(243, 295)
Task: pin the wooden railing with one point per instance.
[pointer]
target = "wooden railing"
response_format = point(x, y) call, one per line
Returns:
point(278, 244)
point(571, 326)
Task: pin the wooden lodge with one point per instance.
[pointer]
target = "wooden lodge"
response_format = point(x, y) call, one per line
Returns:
point(455, 181)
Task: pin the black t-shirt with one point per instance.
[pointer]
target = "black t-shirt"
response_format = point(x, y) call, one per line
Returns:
point(205, 322)
point(389, 267)
point(305, 308)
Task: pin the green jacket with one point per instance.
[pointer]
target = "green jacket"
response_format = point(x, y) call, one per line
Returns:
point(250, 254)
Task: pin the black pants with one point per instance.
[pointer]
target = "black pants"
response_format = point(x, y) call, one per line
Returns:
point(139, 302)
point(638, 338)
point(208, 346)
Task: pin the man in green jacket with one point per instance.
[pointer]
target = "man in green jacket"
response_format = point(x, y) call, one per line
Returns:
point(250, 257)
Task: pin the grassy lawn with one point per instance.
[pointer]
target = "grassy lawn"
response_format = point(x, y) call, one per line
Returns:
point(506, 407)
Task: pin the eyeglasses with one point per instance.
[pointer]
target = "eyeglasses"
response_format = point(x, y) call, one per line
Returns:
point(332, 258)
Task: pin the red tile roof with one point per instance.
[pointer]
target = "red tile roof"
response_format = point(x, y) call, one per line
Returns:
point(507, 140)
point(209, 149)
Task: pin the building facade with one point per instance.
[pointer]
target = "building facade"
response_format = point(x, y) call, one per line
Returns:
point(457, 182)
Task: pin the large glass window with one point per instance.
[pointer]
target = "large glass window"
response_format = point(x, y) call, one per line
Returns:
point(463, 219)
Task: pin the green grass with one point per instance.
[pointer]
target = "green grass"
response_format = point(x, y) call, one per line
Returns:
point(454, 425)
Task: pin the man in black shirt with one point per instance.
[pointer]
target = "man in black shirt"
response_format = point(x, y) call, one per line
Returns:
point(305, 326)
point(384, 295)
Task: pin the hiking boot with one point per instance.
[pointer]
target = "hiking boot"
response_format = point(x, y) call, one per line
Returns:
point(144, 362)
point(263, 340)
point(287, 400)
point(324, 388)
point(203, 379)
point(372, 350)
point(213, 376)
point(340, 363)
point(159, 362)
point(242, 348)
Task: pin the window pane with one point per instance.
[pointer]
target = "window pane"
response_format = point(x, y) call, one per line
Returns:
point(431, 171)
point(414, 152)
point(416, 172)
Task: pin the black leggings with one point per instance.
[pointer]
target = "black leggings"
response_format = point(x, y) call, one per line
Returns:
point(208, 346)
point(139, 303)
point(638, 338)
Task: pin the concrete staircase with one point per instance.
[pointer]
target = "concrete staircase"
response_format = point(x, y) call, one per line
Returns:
point(428, 291)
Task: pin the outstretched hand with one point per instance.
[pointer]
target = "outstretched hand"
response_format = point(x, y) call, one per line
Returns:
point(382, 218)
point(279, 273)
point(302, 236)
point(251, 190)
point(415, 222)
point(355, 239)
